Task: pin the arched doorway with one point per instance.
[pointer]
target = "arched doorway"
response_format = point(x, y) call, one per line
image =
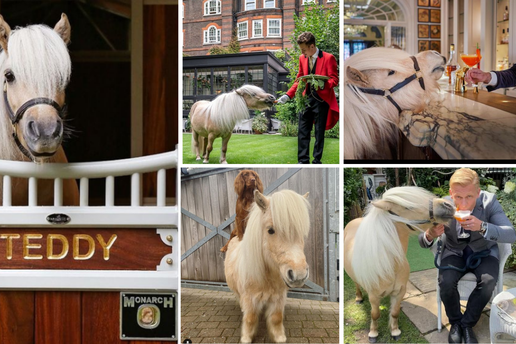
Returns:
point(369, 23)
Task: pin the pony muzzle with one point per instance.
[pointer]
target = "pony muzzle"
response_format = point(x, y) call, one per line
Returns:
point(296, 278)
point(42, 138)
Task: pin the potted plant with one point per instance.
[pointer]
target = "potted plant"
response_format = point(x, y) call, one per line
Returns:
point(260, 123)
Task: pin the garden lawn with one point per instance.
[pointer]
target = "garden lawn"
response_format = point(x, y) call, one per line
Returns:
point(419, 258)
point(357, 319)
point(261, 149)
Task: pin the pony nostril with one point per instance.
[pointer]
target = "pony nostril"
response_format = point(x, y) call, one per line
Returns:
point(33, 129)
point(57, 131)
point(291, 275)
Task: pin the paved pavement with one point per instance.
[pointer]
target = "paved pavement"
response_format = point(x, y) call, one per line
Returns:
point(214, 317)
point(420, 305)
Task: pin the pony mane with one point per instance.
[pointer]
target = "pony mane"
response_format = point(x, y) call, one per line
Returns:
point(370, 119)
point(378, 250)
point(226, 109)
point(40, 59)
point(291, 220)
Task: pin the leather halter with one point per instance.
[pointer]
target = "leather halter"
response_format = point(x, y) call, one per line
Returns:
point(419, 222)
point(387, 93)
point(16, 117)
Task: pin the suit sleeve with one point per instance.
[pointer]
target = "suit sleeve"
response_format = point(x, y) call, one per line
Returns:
point(333, 73)
point(422, 241)
point(499, 227)
point(506, 78)
point(292, 91)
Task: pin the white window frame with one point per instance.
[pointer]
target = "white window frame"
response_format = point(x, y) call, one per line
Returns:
point(261, 27)
point(218, 8)
point(246, 30)
point(269, 27)
point(273, 3)
point(249, 2)
point(206, 35)
point(308, 2)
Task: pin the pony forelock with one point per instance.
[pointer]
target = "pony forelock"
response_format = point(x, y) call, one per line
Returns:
point(291, 219)
point(378, 250)
point(39, 59)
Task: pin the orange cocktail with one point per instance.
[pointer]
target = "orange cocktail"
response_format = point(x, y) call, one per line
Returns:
point(461, 214)
point(470, 60)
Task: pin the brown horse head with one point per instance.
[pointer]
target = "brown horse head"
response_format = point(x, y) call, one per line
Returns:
point(35, 70)
point(255, 97)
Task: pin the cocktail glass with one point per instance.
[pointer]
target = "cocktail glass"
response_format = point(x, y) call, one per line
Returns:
point(459, 216)
point(471, 60)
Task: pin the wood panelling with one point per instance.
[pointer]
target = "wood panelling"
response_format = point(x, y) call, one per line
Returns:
point(101, 312)
point(17, 314)
point(129, 251)
point(58, 317)
point(160, 88)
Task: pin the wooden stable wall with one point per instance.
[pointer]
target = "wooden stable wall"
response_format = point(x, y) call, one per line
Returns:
point(213, 199)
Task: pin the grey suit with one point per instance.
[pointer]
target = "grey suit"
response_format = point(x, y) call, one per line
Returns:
point(500, 229)
point(455, 253)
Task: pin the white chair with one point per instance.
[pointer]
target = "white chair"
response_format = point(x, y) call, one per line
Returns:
point(502, 327)
point(468, 282)
point(244, 125)
point(275, 124)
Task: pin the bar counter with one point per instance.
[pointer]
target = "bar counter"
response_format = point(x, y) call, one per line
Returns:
point(465, 125)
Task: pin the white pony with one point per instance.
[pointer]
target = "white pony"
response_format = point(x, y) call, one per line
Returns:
point(269, 260)
point(217, 118)
point(370, 119)
point(35, 69)
point(375, 247)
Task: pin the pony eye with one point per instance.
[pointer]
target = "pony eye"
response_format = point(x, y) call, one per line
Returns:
point(392, 72)
point(9, 76)
point(271, 231)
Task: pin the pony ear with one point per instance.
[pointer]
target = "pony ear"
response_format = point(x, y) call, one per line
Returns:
point(384, 205)
point(356, 77)
point(306, 195)
point(5, 31)
point(261, 200)
point(64, 29)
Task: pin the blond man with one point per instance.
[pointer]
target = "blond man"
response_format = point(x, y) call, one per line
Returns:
point(487, 225)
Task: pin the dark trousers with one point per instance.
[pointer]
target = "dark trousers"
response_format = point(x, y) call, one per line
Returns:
point(487, 276)
point(317, 112)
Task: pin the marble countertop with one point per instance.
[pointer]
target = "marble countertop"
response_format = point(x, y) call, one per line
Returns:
point(460, 128)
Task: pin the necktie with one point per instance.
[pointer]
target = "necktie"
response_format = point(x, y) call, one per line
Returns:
point(310, 63)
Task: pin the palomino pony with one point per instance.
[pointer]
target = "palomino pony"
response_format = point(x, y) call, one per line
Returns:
point(35, 68)
point(375, 247)
point(269, 260)
point(380, 83)
point(217, 118)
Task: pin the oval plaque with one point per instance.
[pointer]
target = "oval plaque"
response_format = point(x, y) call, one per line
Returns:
point(58, 219)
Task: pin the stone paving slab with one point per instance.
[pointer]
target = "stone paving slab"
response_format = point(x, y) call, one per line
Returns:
point(411, 290)
point(422, 311)
point(424, 280)
point(214, 317)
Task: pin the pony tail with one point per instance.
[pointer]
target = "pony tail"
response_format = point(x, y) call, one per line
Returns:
point(377, 249)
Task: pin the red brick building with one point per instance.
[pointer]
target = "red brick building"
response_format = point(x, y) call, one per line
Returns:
point(261, 25)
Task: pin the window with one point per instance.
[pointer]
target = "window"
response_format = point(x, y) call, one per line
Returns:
point(257, 28)
point(308, 2)
point(274, 28)
point(212, 35)
point(270, 3)
point(211, 7)
point(250, 5)
point(242, 30)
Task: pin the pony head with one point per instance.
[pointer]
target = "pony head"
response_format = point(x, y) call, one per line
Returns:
point(35, 69)
point(370, 120)
point(255, 97)
point(275, 237)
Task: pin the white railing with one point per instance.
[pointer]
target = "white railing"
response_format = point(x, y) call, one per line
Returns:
point(160, 217)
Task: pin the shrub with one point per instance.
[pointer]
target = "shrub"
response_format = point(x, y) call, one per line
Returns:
point(289, 128)
point(260, 122)
point(353, 192)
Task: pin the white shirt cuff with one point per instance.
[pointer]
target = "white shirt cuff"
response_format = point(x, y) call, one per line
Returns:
point(429, 243)
point(494, 79)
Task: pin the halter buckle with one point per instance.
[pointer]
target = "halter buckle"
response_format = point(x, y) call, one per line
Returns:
point(419, 74)
point(387, 93)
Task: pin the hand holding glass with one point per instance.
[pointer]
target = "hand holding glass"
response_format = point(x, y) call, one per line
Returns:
point(460, 215)
point(471, 60)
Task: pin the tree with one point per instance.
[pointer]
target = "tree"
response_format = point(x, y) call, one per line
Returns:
point(232, 48)
point(324, 24)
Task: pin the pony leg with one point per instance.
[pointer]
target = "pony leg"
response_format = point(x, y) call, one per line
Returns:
point(195, 143)
point(224, 149)
point(395, 312)
point(249, 326)
point(358, 295)
point(209, 148)
point(375, 314)
point(275, 326)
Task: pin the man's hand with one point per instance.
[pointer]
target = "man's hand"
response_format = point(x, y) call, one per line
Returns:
point(474, 76)
point(283, 99)
point(434, 232)
point(471, 223)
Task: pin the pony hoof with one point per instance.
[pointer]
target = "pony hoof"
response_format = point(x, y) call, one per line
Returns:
point(206, 162)
point(198, 159)
point(395, 338)
point(359, 302)
point(372, 339)
point(224, 162)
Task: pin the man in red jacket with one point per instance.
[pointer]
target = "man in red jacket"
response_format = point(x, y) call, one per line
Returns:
point(322, 109)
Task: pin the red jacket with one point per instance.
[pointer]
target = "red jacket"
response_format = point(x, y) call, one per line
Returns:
point(326, 65)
